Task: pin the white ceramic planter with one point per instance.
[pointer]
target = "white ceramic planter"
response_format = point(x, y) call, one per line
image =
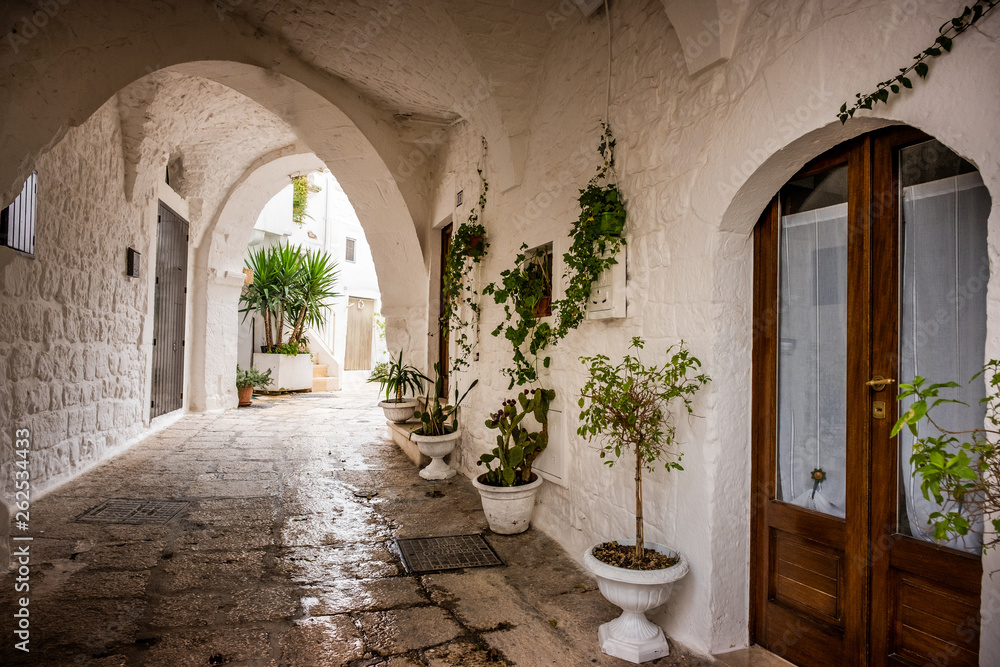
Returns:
point(398, 412)
point(289, 372)
point(437, 447)
point(508, 508)
point(632, 636)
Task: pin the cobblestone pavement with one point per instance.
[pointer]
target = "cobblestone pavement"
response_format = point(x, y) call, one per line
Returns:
point(276, 561)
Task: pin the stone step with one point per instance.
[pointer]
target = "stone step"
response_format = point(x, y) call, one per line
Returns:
point(319, 370)
point(326, 384)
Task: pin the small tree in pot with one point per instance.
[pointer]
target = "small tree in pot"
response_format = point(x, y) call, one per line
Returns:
point(508, 486)
point(628, 410)
point(249, 378)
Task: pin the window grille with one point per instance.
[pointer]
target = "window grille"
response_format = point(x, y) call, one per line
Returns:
point(349, 255)
point(17, 221)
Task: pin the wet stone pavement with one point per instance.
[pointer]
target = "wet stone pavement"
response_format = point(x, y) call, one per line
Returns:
point(276, 561)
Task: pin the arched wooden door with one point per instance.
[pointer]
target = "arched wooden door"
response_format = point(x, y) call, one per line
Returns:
point(869, 263)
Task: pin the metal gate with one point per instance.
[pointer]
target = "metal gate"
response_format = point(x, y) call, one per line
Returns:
point(168, 316)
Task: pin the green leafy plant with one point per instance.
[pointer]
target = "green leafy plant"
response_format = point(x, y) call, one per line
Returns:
point(291, 348)
point(596, 238)
point(291, 287)
point(628, 410)
point(437, 419)
point(521, 290)
point(396, 379)
point(301, 189)
point(943, 43)
point(467, 249)
point(509, 464)
point(960, 470)
point(251, 377)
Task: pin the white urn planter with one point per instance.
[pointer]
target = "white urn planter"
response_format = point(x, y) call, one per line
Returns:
point(437, 447)
point(508, 508)
point(632, 636)
point(398, 411)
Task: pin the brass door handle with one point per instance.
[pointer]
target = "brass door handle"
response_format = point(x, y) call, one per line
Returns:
point(878, 383)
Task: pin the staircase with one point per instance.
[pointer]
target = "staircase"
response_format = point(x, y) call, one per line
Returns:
point(322, 381)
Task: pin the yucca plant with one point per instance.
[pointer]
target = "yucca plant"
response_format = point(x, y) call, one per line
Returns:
point(397, 378)
point(437, 419)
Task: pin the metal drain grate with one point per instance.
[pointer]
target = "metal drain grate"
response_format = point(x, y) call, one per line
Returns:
point(434, 554)
point(129, 510)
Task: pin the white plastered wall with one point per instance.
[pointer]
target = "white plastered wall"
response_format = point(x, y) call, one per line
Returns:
point(699, 157)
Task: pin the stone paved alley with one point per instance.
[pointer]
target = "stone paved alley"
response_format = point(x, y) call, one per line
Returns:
point(276, 562)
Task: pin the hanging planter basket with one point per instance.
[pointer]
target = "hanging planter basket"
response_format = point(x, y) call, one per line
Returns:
point(611, 223)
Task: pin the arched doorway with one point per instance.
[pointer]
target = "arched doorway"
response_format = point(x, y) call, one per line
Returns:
point(863, 264)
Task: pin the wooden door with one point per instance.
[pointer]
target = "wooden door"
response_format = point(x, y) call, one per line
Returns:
point(444, 340)
point(839, 575)
point(169, 309)
point(358, 356)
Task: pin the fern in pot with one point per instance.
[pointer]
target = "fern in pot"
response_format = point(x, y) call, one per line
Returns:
point(438, 431)
point(508, 486)
point(397, 379)
point(627, 407)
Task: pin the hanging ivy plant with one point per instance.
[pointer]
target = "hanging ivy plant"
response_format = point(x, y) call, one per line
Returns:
point(301, 189)
point(467, 248)
point(946, 34)
point(596, 238)
point(521, 291)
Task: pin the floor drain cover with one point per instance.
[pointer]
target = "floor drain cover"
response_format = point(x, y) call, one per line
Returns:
point(127, 510)
point(434, 554)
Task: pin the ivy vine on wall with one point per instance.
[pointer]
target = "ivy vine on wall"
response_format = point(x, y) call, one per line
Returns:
point(946, 34)
point(301, 189)
point(467, 248)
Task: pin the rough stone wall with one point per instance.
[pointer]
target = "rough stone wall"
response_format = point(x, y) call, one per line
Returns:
point(698, 159)
point(74, 370)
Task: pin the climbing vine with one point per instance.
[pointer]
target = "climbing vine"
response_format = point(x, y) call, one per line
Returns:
point(301, 189)
point(946, 34)
point(467, 249)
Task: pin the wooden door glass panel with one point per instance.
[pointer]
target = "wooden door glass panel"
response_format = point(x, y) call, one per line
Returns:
point(944, 208)
point(811, 446)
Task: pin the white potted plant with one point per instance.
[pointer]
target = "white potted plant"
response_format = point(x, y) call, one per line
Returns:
point(508, 486)
point(626, 406)
point(396, 379)
point(439, 430)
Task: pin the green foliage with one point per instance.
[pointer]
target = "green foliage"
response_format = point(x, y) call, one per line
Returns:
point(290, 286)
point(521, 291)
point(251, 377)
point(468, 247)
point(960, 473)
point(290, 348)
point(946, 33)
point(596, 242)
point(396, 378)
point(517, 447)
point(627, 410)
point(437, 419)
point(301, 189)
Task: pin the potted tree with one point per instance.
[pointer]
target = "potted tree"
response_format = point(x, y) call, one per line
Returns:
point(439, 430)
point(290, 291)
point(508, 486)
point(628, 411)
point(396, 379)
point(247, 379)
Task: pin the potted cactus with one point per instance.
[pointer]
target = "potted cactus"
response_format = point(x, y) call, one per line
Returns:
point(396, 379)
point(439, 431)
point(508, 486)
point(626, 406)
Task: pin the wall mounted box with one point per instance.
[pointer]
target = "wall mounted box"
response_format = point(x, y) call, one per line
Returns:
point(607, 294)
point(132, 263)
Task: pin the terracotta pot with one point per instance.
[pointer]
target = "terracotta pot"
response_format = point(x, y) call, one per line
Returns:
point(631, 636)
point(245, 394)
point(543, 308)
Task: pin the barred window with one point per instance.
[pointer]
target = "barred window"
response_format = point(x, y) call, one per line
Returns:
point(17, 221)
